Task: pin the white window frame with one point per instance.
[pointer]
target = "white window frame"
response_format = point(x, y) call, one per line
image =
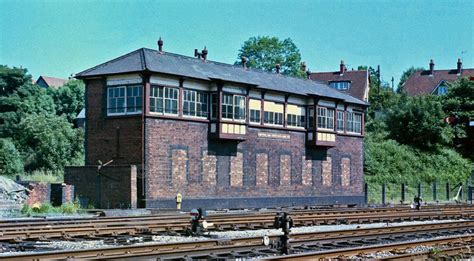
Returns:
point(165, 92)
point(340, 119)
point(354, 122)
point(340, 85)
point(125, 98)
point(233, 106)
point(299, 119)
point(197, 101)
point(253, 112)
point(327, 120)
point(273, 115)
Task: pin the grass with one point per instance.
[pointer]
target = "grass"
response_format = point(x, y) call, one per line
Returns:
point(48, 176)
point(47, 208)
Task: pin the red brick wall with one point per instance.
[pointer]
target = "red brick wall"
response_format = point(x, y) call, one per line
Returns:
point(118, 185)
point(101, 133)
point(286, 161)
point(39, 193)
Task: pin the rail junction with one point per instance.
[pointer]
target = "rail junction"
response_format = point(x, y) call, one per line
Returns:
point(453, 236)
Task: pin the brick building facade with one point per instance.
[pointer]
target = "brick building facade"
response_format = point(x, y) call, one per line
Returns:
point(221, 135)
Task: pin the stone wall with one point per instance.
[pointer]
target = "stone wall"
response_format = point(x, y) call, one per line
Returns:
point(115, 187)
point(257, 170)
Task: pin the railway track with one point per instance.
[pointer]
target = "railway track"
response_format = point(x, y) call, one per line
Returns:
point(342, 243)
point(21, 230)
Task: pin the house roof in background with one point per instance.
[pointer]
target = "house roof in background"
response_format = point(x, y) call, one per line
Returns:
point(52, 81)
point(422, 83)
point(174, 64)
point(358, 79)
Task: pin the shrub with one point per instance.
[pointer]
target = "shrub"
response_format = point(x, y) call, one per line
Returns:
point(10, 160)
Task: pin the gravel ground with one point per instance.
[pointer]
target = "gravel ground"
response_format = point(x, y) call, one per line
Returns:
point(57, 245)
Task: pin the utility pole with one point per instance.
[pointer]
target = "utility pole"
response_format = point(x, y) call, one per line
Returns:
point(392, 82)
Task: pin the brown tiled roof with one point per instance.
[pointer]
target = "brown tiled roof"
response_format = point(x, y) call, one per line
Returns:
point(52, 81)
point(422, 83)
point(358, 79)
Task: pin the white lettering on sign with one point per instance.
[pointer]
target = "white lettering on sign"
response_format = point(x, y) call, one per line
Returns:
point(272, 135)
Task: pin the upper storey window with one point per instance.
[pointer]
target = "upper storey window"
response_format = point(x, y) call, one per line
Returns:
point(195, 103)
point(233, 107)
point(164, 100)
point(354, 122)
point(255, 107)
point(442, 89)
point(124, 100)
point(296, 116)
point(325, 118)
point(341, 85)
point(273, 114)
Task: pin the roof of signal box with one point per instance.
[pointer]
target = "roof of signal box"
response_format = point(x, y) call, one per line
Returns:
point(145, 59)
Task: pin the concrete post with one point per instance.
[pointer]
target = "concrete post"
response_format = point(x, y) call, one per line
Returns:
point(366, 193)
point(435, 194)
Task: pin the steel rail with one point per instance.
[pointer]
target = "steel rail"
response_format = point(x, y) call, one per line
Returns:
point(140, 226)
point(345, 253)
point(250, 244)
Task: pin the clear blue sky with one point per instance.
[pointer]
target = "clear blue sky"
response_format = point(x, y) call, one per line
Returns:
point(57, 38)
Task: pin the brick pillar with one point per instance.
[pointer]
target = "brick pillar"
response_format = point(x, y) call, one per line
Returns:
point(345, 172)
point(285, 170)
point(262, 169)
point(327, 171)
point(307, 172)
point(236, 170)
point(209, 168)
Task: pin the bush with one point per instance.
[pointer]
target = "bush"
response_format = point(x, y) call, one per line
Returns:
point(10, 160)
point(390, 162)
point(48, 176)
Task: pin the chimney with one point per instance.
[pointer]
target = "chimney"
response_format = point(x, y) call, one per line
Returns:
point(431, 67)
point(277, 66)
point(459, 68)
point(244, 62)
point(204, 53)
point(303, 66)
point(197, 54)
point(308, 74)
point(342, 68)
point(160, 45)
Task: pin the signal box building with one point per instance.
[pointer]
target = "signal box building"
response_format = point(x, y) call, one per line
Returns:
point(223, 136)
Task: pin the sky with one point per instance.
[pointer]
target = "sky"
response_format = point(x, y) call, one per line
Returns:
point(59, 38)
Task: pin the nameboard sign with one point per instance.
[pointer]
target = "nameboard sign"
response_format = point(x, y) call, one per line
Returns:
point(271, 135)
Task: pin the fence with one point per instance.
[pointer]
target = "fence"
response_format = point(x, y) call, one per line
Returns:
point(440, 192)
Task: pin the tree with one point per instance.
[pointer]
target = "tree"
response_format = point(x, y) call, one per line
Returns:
point(459, 102)
point(264, 52)
point(49, 142)
point(12, 78)
point(405, 75)
point(10, 161)
point(418, 121)
point(68, 99)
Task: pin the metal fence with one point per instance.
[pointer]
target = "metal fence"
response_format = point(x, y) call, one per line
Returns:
point(401, 193)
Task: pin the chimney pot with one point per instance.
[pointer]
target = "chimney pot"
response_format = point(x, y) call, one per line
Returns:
point(204, 53)
point(197, 54)
point(459, 68)
point(160, 45)
point(303, 66)
point(277, 66)
point(342, 67)
point(432, 67)
point(244, 62)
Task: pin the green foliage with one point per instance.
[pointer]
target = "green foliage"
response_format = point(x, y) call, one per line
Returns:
point(12, 78)
point(42, 175)
point(10, 161)
point(69, 99)
point(38, 121)
point(49, 142)
point(47, 208)
point(418, 121)
point(405, 75)
point(459, 101)
point(264, 52)
point(390, 162)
